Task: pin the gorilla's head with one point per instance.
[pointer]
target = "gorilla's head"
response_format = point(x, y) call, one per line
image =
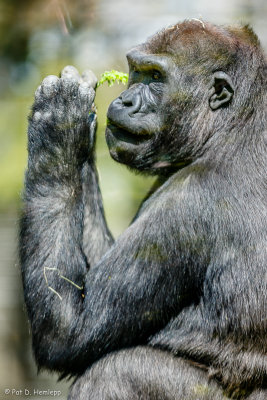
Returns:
point(187, 84)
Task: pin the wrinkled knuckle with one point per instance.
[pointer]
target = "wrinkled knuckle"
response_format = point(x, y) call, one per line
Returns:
point(38, 92)
point(91, 95)
point(50, 85)
point(84, 90)
point(41, 116)
point(89, 77)
point(50, 80)
point(70, 72)
point(37, 116)
point(47, 115)
point(68, 83)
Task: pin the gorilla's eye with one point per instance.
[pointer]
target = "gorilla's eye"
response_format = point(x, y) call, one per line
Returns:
point(156, 75)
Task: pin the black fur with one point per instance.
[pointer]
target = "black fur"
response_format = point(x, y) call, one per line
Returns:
point(188, 279)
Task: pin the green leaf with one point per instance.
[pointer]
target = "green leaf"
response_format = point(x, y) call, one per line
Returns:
point(112, 76)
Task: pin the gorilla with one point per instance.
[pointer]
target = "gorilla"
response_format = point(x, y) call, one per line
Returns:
point(176, 307)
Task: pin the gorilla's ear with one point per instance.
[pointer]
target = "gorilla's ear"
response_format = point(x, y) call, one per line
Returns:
point(222, 90)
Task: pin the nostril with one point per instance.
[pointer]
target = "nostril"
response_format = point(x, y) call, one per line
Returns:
point(126, 99)
point(127, 103)
point(131, 100)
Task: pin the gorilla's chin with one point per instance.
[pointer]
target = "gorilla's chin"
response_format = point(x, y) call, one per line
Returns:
point(127, 147)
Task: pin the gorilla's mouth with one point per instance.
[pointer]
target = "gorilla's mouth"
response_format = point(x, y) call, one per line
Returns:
point(123, 135)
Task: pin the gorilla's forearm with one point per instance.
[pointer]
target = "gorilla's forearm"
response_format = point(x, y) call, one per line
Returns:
point(62, 213)
point(96, 236)
point(63, 231)
point(61, 154)
point(53, 264)
point(53, 260)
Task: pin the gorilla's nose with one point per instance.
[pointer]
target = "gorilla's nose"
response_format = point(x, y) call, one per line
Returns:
point(132, 100)
point(126, 105)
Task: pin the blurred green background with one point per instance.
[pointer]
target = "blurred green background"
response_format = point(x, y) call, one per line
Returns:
point(38, 38)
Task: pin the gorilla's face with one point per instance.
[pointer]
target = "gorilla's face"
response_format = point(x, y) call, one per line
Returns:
point(166, 116)
point(139, 118)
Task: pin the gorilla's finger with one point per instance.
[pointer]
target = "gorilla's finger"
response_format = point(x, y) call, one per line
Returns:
point(70, 72)
point(50, 85)
point(89, 77)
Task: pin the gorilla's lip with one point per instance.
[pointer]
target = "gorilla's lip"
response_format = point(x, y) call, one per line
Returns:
point(121, 134)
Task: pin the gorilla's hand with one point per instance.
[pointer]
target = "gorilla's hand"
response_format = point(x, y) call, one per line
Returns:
point(63, 121)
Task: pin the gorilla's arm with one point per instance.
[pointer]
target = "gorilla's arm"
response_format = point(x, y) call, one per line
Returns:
point(137, 286)
point(63, 228)
point(139, 282)
point(96, 236)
